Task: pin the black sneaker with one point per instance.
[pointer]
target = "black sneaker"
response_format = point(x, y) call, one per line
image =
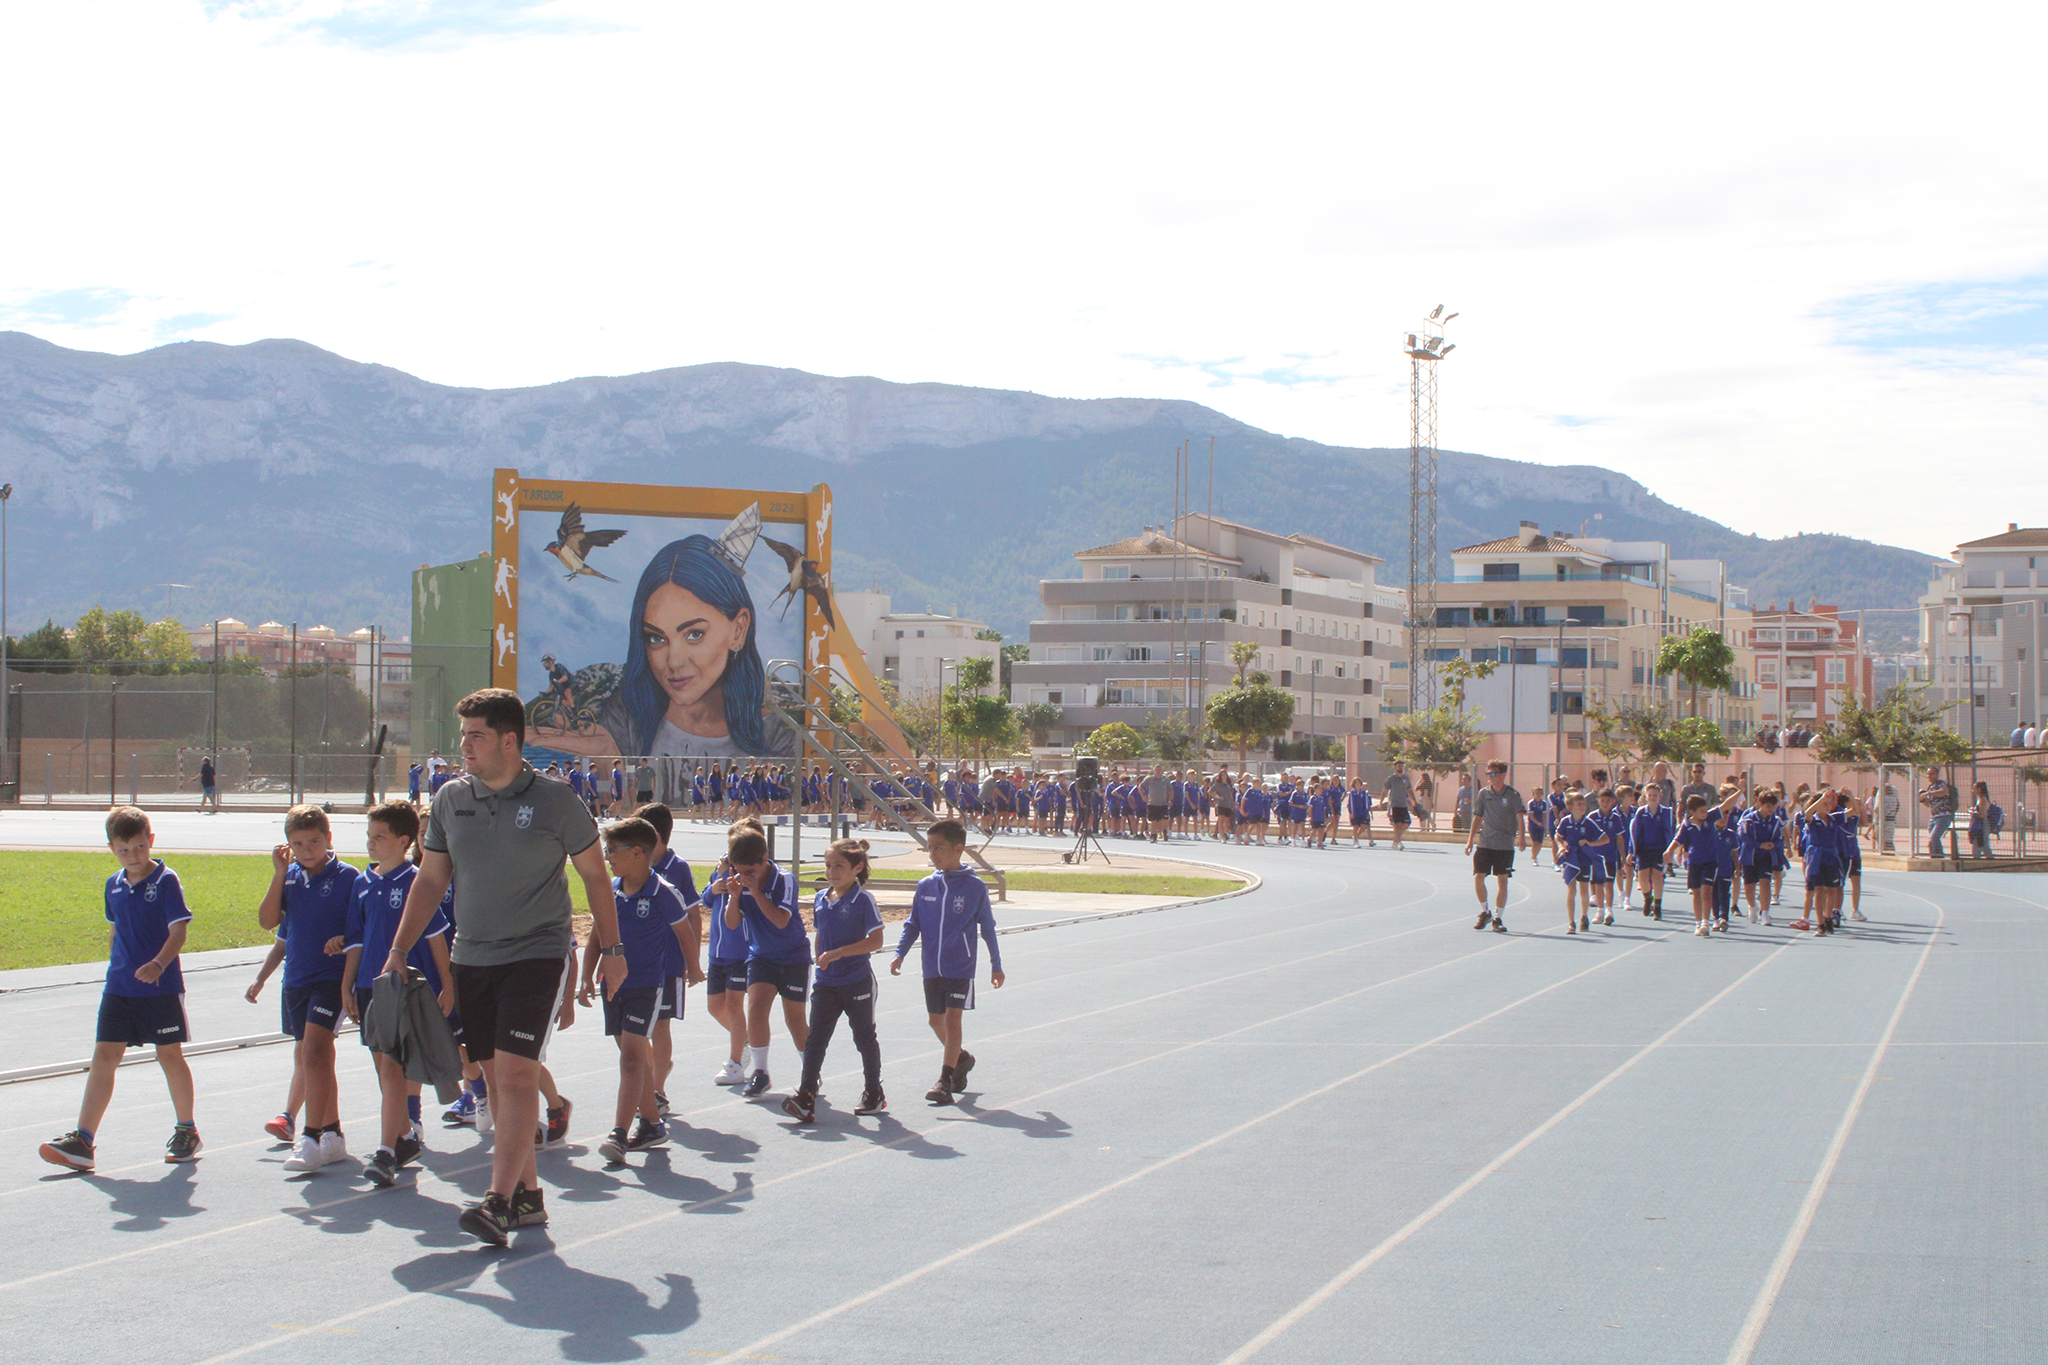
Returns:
point(613, 1148)
point(381, 1168)
point(184, 1145)
point(1500, 924)
point(71, 1150)
point(1485, 918)
point(489, 1220)
point(960, 1070)
point(871, 1102)
point(942, 1089)
point(406, 1150)
point(557, 1132)
point(527, 1209)
point(802, 1107)
point(647, 1136)
point(757, 1085)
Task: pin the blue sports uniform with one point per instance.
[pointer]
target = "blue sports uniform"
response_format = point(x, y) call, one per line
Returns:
point(1760, 837)
point(133, 1012)
point(314, 910)
point(647, 921)
point(374, 910)
point(1702, 845)
point(1585, 843)
point(946, 911)
point(845, 986)
point(1360, 802)
point(777, 955)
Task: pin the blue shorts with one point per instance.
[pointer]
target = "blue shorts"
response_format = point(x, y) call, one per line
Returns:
point(318, 1004)
point(632, 1009)
point(1649, 858)
point(1827, 874)
point(671, 1002)
point(792, 980)
point(721, 977)
point(143, 1020)
point(1698, 875)
point(1572, 872)
point(943, 993)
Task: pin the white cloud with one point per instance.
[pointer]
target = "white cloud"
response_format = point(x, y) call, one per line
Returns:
point(1679, 250)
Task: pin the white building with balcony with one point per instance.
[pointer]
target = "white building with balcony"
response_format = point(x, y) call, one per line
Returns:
point(1145, 629)
point(915, 650)
point(1982, 631)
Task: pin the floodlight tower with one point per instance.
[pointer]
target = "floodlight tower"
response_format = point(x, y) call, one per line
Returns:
point(1426, 347)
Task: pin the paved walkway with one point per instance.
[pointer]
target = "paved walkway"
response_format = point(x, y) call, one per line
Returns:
point(1324, 1121)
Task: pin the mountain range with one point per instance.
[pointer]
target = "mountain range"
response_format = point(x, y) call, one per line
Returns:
point(279, 480)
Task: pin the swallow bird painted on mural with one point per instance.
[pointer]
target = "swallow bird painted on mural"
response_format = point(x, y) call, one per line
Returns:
point(804, 579)
point(572, 544)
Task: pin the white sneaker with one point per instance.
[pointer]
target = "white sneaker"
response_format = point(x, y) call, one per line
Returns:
point(305, 1154)
point(332, 1148)
point(730, 1074)
point(483, 1113)
point(1856, 914)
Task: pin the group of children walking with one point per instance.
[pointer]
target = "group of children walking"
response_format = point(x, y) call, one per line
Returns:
point(334, 926)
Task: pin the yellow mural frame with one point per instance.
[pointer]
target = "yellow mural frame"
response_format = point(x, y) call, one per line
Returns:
point(829, 652)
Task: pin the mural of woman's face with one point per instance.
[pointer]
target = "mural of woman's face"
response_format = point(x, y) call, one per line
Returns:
point(688, 643)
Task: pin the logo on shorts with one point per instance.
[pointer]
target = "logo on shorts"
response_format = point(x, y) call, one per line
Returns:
point(526, 1037)
point(172, 1029)
point(524, 819)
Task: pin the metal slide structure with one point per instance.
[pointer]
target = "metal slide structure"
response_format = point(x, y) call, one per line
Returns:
point(804, 704)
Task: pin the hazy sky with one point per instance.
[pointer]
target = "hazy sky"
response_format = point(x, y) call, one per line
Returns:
point(1787, 264)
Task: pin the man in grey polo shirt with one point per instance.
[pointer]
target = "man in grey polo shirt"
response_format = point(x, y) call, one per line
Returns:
point(1497, 829)
point(1699, 786)
point(503, 834)
point(1158, 801)
point(1400, 795)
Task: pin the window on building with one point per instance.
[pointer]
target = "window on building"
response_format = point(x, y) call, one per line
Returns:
point(1138, 654)
point(1116, 571)
point(1574, 703)
point(1532, 616)
point(1100, 654)
point(1805, 636)
point(1574, 657)
point(1500, 573)
point(1767, 670)
point(1454, 618)
point(1525, 656)
point(899, 634)
point(1583, 614)
point(920, 635)
point(1054, 695)
point(1836, 672)
point(1444, 655)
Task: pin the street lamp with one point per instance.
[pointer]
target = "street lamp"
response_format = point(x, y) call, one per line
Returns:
point(6, 492)
point(1969, 616)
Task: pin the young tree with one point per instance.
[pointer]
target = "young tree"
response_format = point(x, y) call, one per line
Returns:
point(1904, 727)
point(46, 643)
point(1442, 738)
point(917, 717)
point(101, 636)
point(1651, 734)
point(974, 674)
point(1251, 710)
point(1701, 657)
point(1172, 738)
point(1038, 717)
point(1115, 741)
point(977, 720)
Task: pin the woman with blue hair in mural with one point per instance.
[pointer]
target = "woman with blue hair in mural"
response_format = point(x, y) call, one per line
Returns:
point(693, 681)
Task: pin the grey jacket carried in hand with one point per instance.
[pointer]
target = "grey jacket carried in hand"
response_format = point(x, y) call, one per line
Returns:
point(404, 1021)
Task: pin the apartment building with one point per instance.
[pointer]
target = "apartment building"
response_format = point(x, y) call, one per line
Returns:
point(1574, 622)
point(1806, 663)
point(918, 651)
point(1982, 631)
point(1145, 628)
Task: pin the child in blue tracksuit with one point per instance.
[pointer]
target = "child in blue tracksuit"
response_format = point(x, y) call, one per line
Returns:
point(1730, 837)
point(849, 927)
point(1762, 830)
point(946, 911)
point(1650, 831)
point(1579, 843)
point(1360, 802)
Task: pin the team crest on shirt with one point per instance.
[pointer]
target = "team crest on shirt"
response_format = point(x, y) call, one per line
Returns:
point(149, 892)
point(642, 908)
point(524, 819)
point(397, 897)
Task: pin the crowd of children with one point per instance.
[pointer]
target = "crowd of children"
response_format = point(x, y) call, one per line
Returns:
point(334, 928)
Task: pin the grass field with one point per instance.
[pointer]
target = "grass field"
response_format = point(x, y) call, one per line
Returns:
point(52, 905)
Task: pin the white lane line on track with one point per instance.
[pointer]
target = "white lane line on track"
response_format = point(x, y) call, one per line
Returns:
point(1795, 1238)
point(954, 1257)
point(907, 1139)
point(268, 1219)
point(1473, 1181)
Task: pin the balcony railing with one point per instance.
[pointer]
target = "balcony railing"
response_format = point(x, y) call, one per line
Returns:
point(1539, 578)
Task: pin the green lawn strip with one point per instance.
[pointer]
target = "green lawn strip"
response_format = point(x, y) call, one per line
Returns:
point(53, 905)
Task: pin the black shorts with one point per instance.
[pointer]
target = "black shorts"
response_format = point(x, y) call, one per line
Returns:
point(670, 1005)
point(512, 1004)
point(1397, 815)
point(1698, 875)
point(1824, 874)
point(1649, 858)
point(1759, 871)
point(143, 1020)
point(1493, 862)
point(1155, 814)
point(632, 1009)
point(318, 1004)
point(792, 980)
point(721, 977)
point(943, 993)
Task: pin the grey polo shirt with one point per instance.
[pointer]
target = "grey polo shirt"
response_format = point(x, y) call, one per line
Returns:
point(1692, 789)
point(1499, 816)
point(509, 849)
point(1158, 791)
point(1400, 793)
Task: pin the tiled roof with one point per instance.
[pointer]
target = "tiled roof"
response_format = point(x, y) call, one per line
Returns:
point(2024, 537)
point(1154, 544)
point(1512, 545)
